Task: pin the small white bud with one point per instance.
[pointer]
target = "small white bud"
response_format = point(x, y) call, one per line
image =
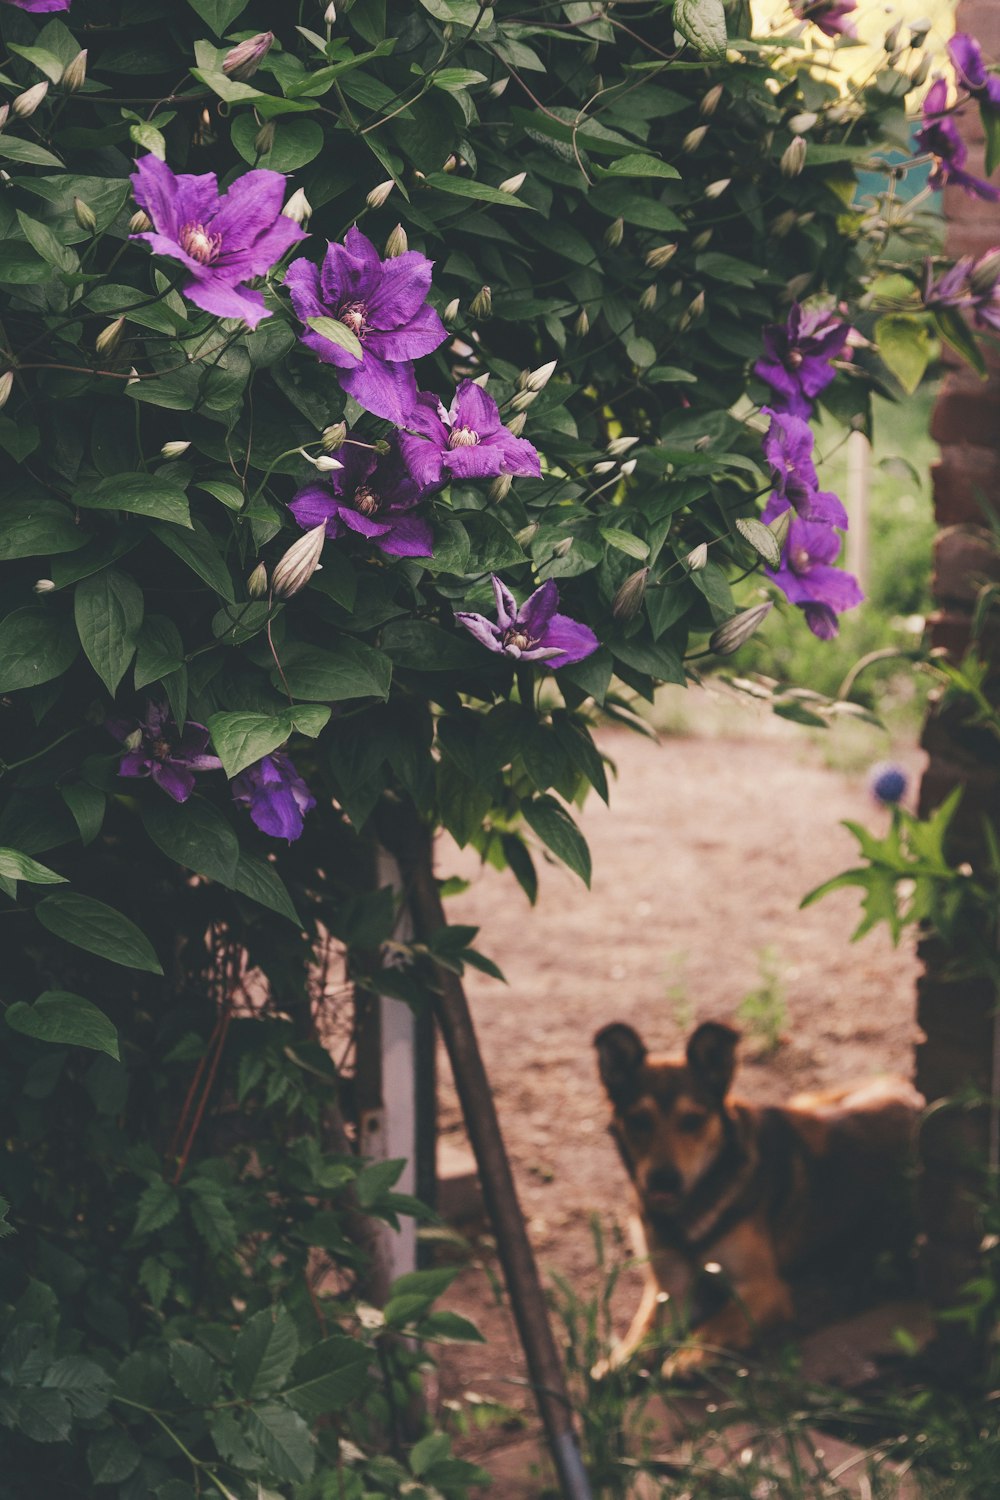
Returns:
point(697, 558)
point(139, 223)
point(84, 215)
point(648, 299)
point(481, 305)
point(6, 386)
point(299, 563)
point(175, 450)
point(582, 325)
point(482, 380)
point(628, 598)
point(109, 338)
point(516, 424)
point(660, 256)
point(43, 586)
point(615, 233)
point(711, 101)
point(397, 243)
point(378, 195)
point(327, 465)
point(512, 184)
point(451, 311)
point(298, 208)
point(717, 188)
point(330, 14)
point(4, 112)
point(334, 436)
point(693, 139)
point(498, 88)
point(523, 400)
point(561, 548)
point(620, 445)
point(74, 74)
point(799, 124)
point(500, 488)
point(628, 467)
point(526, 534)
point(702, 241)
point(737, 630)
point(793, 158)
point(257, 582)
point(604, 466)
point(539, 379)
point(25, 104)
point(263, 141)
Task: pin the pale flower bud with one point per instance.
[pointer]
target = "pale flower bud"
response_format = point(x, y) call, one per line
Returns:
point(175, 450)
point(6, 386)
point(717, 188)
point(109, 338)
point(298, 208)
point(628, 467)
point(397, 243)
point(481, 305)
point(132, 741)
point(693, 139)
point(521, 382)
point(263, 141)
point(139, 223)
point(620, 445)
point(450, 313)
point(498, 88)
point(561, 548)
point(711, 101)
point(660, 256)
point(523, 400)
point(84, 215)
point(4, 112)
point(512, 184)
point(539, 379)
point(779, 528)
point(500, 488)
point(891, 39)
point(648, 299)
point(482, 380)
point(922, 69)
point(299, 563)
point(25, 104)
point(702, 241)
point(326, 465)
point(697, 559)
point(378, 195)
point(242, 61)
point(516, 424)
point(43, 586)
point(694, 310)
point(330, 14)
point(74, 74)
point(257, 582)
point(604, 466)
point(582, 325)
point(334, 436)
point(799, 124)
point(736, 631)
point(615, 233)
point(783, 224)
point(526, 534)
point(628, 598)
point(451, 163)
point(793, 158)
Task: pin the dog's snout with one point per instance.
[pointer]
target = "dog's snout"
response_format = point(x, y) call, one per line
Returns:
point(663, 1180)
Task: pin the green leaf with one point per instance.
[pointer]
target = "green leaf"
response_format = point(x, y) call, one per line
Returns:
point(42, 240)
point(338, 333)
point(462, 187)
point(200, 551)
point(953, 328)
point(265, 1351)
point(906, 346)
point(159, 1205)
point(761, 538)
point(351, 670)
point(14, 149)
point(422, 646)
point(97, 928)
point(59, 1016)
point(18, 866)
point(636, 164)
point(85, 1384)
point(624, 541)
point(219, 14)
point(240, 739)
point(296, 141)
point(108, 608)
point(229, 495)
point(552, 823)
point(282, 1438)
point(195, 1373)
point(991, 129)
point(261, 882)
point(194, 834)
point(159, 650)
point(703, 24)
point(328, 1377)
point(141, 494)
point(36, 645)
point(34, 525)
point(19, 264)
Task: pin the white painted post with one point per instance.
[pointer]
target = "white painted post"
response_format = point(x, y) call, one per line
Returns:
point(857, 505)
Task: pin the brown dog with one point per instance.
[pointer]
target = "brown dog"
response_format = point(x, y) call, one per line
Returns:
point(755, 1189)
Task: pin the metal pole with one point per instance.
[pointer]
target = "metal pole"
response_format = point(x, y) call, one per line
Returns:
point(545, 1369)
point(857, 505)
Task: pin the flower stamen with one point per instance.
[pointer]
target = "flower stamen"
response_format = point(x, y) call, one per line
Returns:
point(462, 437)
point(199, 244)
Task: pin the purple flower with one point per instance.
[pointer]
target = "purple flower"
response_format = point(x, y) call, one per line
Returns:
point(984, 287)
point(807, 578)
point(372, 495)
point(939, 136)
point(38, 7)
point(535, 632)
point(156, 747)
point(797, 355)
point(788, 449)
point(950, 289)
point(967, 59)
point(384, 304)
point(276, 795)
point(223, 241)
point(887, 782)
point(468, 441)
point(829, 15)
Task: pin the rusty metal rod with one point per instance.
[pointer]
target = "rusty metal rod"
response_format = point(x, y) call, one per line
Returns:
point(414, 851)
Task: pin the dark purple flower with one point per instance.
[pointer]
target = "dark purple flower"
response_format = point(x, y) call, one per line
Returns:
point(788, 449)
point(984, 287)
point(807, 578)
point(797, 355)
point(372, 495)
point(384, 304)
point(223, 241)
point(939, 136)
point(533, 632)
point(38, 7)
point(887, 782)
point(829, 15)
point(156, 747)
point(950, 290)
point(275, 794)
point(967, 59)
point(468, 441)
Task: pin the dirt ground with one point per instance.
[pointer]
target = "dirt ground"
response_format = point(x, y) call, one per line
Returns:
point(699, 867)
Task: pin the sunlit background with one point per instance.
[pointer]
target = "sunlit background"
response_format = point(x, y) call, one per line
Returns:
point(873, 19)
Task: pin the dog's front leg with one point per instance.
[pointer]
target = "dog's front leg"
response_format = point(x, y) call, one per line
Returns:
point(668, 1283)
point(761, 1302)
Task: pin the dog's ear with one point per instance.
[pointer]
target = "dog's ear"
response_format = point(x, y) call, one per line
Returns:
point(621, 1052)
point(711, 1055)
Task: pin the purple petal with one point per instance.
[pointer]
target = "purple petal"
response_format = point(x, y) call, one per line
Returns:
point(538, 609)
point(821, 620)
point(175, 780)
point(478, 461)
point(401, 292)
point(265, 252)
point(387, 390)
point(135, 763)
point(314, 507)
point(505, 602)
point(249, 205)
point(420, 336)
point(410, 536)
point(574, 640)
point(474, 408)
point(834, 587)
point(967, 60)
point(825, 506)
point(162, 244)
point(157, 190)
point(485, 632)
point(365, 526)
point(351, 272)
point(214, 295)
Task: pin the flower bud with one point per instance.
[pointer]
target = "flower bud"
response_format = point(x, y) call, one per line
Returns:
point(500, 488)
point(628, 467)
point(4, 112)
point(660, 256)
point(109, 338)
point(604, 466)
point(702, 241)
point(516, 424)
point(801, 123)
point(521, 382)
point(620, 445)
point(648, 299)
point(711, 101)
point(629, 596)
point(299, 563)
point(84, 215)
point(523, 400)
point(263, 141)
point(242, 61)
point(696, 559)
point(538, 379)
point(922, 69)
point(482, 380)
point(43, 586)
point(985, 273)
point(481, 305)
point(561, 548)
point(500, 87)
point(779, 528)
point(6, 386)
point(693, 139)
point(382, 446)
point(378, 195)
point(717, 188)
point(451, 311)
point(175, 450)
point(783, 224)
point(132, 741)
point(694, 310)
point(700, 444)
point(796, 285)
point(334, 437)
point(737, 630)
point(512, 184)
point(25, 104)
point(330, 14)
point(451, 163)
point(326, 465)
point(615, 233)
point(139, 223)
point(133, 376)
point(891, 38)
point(793, 158)
point(74, 74)
point(526, 534)
point(397, 243)
point(298, 208)
point(257, 582)
point(582, 325)
point(918, 32)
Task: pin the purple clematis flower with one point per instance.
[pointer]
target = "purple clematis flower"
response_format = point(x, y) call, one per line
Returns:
point(156, 747)
point(276, 795)
point(384, 304)
point(533, 632)
point(807, 578)
point(950, 289)
point(788, 447)
point(797, 355)
point(372, 495)
point(967, 59)
point(831, 16)
point(939, 136)
point(38, 7)
point(984, 287)
point(223, 241)
point(468, 441)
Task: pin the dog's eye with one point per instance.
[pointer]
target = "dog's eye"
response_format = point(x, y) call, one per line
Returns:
point(640, 1122)
point(690, 1124)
